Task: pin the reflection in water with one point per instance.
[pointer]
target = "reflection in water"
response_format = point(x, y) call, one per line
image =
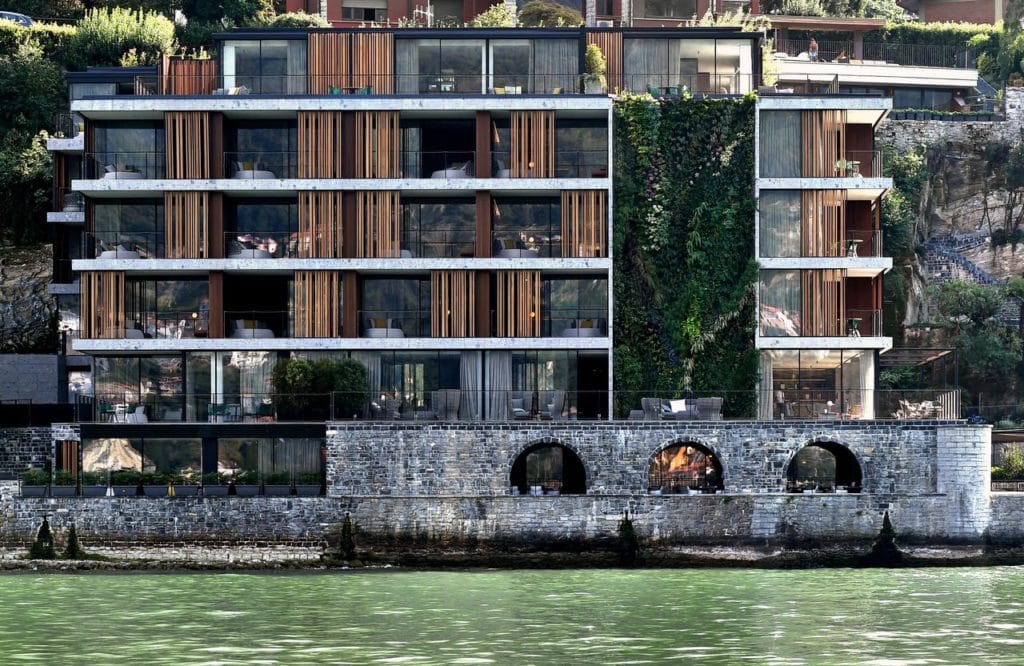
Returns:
point(551, 617)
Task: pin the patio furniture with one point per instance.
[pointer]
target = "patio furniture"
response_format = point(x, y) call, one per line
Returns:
point(250, 329)
point(520, 405)
point(656, 409)
point(137, 416)
point(583, 328)
point(455, 171)
point(551, 405)
point(709, 409)
point(513, 248)
point(383, 327)
point(251, 169)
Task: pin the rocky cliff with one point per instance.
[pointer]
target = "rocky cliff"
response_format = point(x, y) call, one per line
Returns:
point(28, 313)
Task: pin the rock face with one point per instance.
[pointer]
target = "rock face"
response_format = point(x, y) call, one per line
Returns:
point(27, 310)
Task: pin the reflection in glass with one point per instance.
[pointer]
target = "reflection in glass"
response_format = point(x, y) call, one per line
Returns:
point(527, 228)
point(780, 223)
point(396, 307)
point(435, 228)
point(780, 303)
point(127, 229)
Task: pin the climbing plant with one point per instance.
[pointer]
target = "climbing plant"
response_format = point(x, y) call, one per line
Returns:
point(685, 276)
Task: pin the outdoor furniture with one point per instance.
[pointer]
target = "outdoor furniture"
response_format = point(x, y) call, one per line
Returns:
point(551, 404)
point(709, 409)
point(383, 327)
point(137, 416)
point(250, 329)
point(656, 409)
point(455, 171)
point(520, 405)
point(583, 328)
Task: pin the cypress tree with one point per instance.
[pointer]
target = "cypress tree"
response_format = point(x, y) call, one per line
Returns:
point(42, 547)
point(73, 551)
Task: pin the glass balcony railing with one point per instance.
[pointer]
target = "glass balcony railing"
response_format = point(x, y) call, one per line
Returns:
point(123, 245)
point(256, 165)
point(136, 165)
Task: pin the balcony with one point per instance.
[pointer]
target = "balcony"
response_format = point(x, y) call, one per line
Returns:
point(912, 55)
point(260, 165)
point(136, 165)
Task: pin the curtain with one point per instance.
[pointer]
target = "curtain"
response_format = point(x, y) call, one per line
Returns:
point(469, 383)
point(780, 223)
point(556, 64)
point(765, 395)
point(499, 383)
point(371, 361)
point(645, 62)
point(780, 144)
point(296, 67)
point(407, 66)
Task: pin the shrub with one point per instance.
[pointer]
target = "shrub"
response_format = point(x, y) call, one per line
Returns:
point(42, 547)
point(803, 8)
point(52, 39)
point(73, 551)
point(594, 60)
point(500, 15)
point(304, 388)
point(1013, 462)
point(25, 186)
point(104, 36)
point(249, 12)
point(197, 34)
point(999, 474)
point(538, 13)
point(298, 20)
point(35, 477)
point(46, 8)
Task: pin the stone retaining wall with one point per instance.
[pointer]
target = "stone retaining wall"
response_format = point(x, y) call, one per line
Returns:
point(22, 448)
point(904, 135)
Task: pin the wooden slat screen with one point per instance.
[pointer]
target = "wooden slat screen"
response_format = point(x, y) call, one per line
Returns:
point(102, 303)
point(187, 144)
point(186, 225)
point(533, 144)
point(823, 223)
point(452, 298)
point(67, 456)
point(584, 223)
point(823, 304)
point(824, 143)
point(320, 225)
point(377, 136)
point(328, 59)
point(373, 61)
point(610, 44)
point(377, 224)
point(186, 76)
point(320, 144)
point(518, 304)
point(60, 179)
point(318, 307)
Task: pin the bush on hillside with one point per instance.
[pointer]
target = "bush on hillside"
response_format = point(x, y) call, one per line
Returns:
point(32, 87)
point(104, 36)
point(546, 13)
point(197, 34)
point(298, 20)
point(25, 186)
point(46, 9)
point(51, 39)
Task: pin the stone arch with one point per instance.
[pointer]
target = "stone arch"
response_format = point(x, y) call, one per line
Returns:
point(825, 466)
point(548, 466)
point(683, 466)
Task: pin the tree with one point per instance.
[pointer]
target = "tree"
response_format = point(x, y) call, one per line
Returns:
point(42, 547)
point(501, 15)
point(541, 13)
point(73, 550)
point(967, 306)
point(239, 12)
point(64, 9)
point(299, 20)
point(25, 186)
point(1015, 289)
point(32, 87)
point(104, 36)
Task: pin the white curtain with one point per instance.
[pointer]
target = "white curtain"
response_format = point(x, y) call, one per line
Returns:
point(499, 383)
point(371, 361)
point(557, 63)
point(765, 395)
point(780, 144)
point(779, 231)
point(469, 383)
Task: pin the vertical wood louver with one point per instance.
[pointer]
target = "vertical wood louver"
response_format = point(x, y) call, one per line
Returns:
point(518, 296)
point(328, 60)
point(320, 225)
point(823, 223)
point(317, 304)
point(186, 225)
point(377, 224)
point(373, 61)
point(533, 144)
point(377, 138)
point(187, 144)
point(610, 44)
point(186, 76)
point(584, 225)
point(824, 302)
point(453, 295)
point(103, 295)
point(319, 139)
point(824, 143)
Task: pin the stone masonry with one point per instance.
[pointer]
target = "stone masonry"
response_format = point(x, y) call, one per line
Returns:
point(905, 135)
point(22, 448)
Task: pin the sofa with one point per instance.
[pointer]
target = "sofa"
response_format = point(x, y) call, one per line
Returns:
point(657, 409)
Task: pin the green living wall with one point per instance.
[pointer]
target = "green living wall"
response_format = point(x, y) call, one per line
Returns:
point(685, 276)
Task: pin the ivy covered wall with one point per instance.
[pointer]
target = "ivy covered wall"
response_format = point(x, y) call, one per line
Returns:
point(685, 276)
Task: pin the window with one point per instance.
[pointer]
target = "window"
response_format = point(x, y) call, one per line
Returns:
point(526, 228)
point(261, 149)
point(439, 228)
point(266, 66)
point(581, 148)
point(779, 235)
point(127, 226)
point(824, 467)
point(781, 140)
point(369, 11)
point(261, 228)
point(548, 469)
point(683, 9)
point(573, 307)
point(395, 308)
point(698, 65)
point(682, 468)
point(127, 149)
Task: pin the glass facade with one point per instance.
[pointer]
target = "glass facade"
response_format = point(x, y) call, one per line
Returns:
point(820, 383)
point(127, 149)
point(268, 67)
point(723, 66)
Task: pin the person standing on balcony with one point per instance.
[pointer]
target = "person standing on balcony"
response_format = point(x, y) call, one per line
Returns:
point(812, 50)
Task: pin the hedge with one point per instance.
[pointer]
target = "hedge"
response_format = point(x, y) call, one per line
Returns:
point(956, 35)
point(52, 39)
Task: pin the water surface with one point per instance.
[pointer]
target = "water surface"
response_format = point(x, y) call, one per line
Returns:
point(836, 616)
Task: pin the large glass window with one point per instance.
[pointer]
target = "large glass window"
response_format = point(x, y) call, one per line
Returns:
point(249, 463)
point(138, 389)
point(261, 149)
point(127, 229)
point(167, 308)
point(439, 66)
point(526, 228)
point(581, 148)
point(262, 228)
point(269, 67)
point(780, 223)
point(395, 308)
point(780, 303)
point(681, 9)
point(439, 228)
point(574, 307)
point(780, 144)
point(127, 149)
point(820, 383)
point(697, 65)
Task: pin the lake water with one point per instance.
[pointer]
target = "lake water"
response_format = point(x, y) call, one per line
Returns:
point(836, 616)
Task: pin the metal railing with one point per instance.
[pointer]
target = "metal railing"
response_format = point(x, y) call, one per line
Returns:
point(525, 244)
point(69, 201)
point(861, 164)
point(662, 84)
point(67, 125)
point(257, 324)
point(779, 323)
point(499, 405)
point(446, 164)
point(251, 164)
point(914, 55)
point(783, 243)
point(124, 165)
point(581, 323)
point(422, 242)
point(568, 164)
point(863, 243)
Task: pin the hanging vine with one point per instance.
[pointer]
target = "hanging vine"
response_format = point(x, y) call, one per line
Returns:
point(684, 242)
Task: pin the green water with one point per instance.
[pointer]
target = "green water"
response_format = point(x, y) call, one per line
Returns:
point(924, 616)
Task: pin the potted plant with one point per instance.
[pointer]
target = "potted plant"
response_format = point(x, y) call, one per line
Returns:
point(244, 484)
point(184, 485)
point(155, 484)
point(308, 484)
point(94, 484)
point(126, 483)
point(215, 484)
point(277, 484)
point(595, 66)
point(34, 482)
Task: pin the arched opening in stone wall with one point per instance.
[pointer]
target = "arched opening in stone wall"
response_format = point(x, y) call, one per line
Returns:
point(549, 469)
point(686, 467)
point(824, 467)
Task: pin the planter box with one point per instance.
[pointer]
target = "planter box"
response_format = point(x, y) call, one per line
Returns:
point(215, 491)
point(277, 491)
point(308, 491)
point(68, 491)
point(125, 491)
point(186, 491)
point(33, 491)
point(247, 491)
point(89, 491)
point(155, 491)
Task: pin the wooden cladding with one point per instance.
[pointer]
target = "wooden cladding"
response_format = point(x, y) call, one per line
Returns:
point(377, 138)
point(329, 61)
point(823, 306)
point(103, 297)
point(188, 144)
point(533, 144)
point(584, 223)
point(186, 76)
point(824, 143)
point(320, 225)
point(343, 60)
point(610, 44)
point(186, 225)
point(317, 304)
point(453, 296)
point(373, 61)
point(518, 304)
point(378, 218)
point(319, 139)
point(823, 223)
